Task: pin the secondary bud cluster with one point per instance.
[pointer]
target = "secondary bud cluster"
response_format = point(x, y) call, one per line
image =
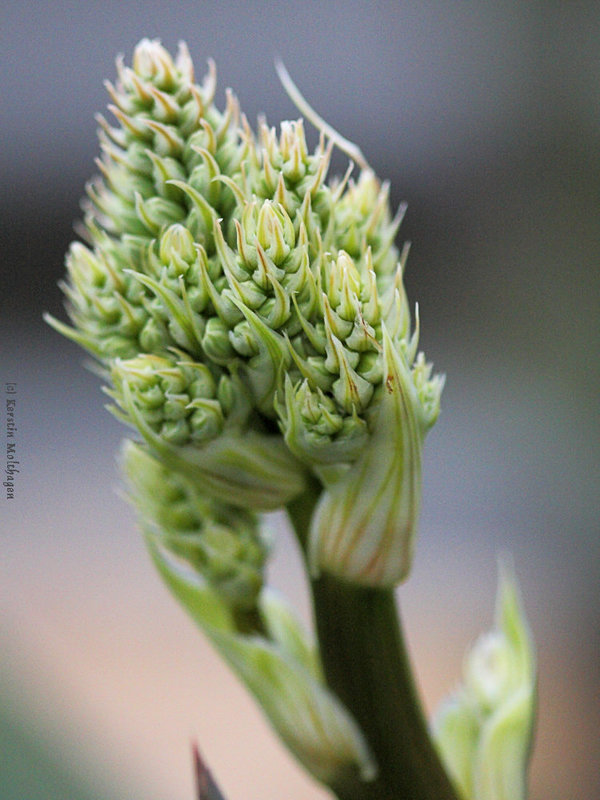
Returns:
point(220, 541)
point(178, 399)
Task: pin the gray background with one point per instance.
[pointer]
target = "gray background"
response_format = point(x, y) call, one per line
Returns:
point(486, 118)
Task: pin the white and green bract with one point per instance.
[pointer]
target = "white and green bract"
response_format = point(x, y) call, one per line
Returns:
point(484, 729)
point(211, 555)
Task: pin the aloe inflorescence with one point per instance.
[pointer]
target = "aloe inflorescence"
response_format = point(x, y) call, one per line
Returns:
point(250, 318)
point(222, 268)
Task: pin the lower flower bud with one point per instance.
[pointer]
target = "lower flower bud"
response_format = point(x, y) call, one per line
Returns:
point(365, 524)
point(483, 731)
point(222, 542)
point(199, 429)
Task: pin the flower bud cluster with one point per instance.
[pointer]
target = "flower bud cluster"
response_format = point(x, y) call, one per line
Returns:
point(157, 169)
point(251, 316)
point(221, 542)
point(218, 261)
point(178, 399)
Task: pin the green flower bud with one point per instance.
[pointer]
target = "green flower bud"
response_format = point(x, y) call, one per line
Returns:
point(177, 247)
point(105, 304)
point(365, 524)
point(308, 717)
point(152, 62)
point(484, 730)
point(198, 428)
point(221, 542)
point(216, 342)
point(176, 398)
point(316, 430)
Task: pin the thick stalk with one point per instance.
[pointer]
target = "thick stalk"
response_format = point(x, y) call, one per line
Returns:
point(366, 665)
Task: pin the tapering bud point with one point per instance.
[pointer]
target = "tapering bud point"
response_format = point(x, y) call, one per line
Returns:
point(152, 62)
point(177, 243)
point(484, 730)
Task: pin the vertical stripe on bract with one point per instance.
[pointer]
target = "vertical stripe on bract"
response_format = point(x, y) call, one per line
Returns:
point(500, 760)
point(365, 524)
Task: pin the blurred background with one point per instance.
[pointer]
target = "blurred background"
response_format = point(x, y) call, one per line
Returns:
point(486, 119)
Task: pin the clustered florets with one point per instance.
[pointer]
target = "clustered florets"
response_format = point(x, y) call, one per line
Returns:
point(223, 262)
point(216, 539)
point(251, 318)
point(200, 234)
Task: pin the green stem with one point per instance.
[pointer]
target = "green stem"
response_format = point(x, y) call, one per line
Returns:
point(366, 665)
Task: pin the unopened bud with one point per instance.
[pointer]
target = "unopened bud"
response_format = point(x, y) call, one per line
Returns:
point(365, 525)
point(220, 541)
point(484, 730)
point(152, 62)
point(177, 242)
